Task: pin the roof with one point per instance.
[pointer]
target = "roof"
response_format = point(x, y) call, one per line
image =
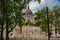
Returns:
point(28, 12)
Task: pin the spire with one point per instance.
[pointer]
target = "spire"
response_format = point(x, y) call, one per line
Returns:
point(28, 5)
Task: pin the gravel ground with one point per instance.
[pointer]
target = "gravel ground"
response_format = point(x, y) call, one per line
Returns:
point(35, 39)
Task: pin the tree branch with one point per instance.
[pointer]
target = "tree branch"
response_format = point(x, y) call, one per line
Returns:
point(13, 28)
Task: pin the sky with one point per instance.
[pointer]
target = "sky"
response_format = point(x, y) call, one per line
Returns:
point(34, 6)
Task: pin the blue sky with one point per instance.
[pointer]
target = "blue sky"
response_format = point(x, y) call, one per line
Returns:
point(34, 6)
point(59, 2)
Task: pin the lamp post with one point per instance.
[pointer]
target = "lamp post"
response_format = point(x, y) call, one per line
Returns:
point(48, 24)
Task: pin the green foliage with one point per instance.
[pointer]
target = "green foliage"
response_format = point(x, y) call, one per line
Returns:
point(57, 29)
point(37, 23)
point(38, 0)
point(29, 23)
point(40, 19)
point(13, 11)
point(56, 10)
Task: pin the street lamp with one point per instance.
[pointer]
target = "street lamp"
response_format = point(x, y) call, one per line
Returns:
point(48, 24)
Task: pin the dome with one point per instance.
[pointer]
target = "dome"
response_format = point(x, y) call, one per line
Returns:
point(29, 15)
point(28, 12)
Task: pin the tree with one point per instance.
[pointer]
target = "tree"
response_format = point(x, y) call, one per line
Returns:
point(12, 7)
point(1, 18)
point(57, 16)
point(40, 19)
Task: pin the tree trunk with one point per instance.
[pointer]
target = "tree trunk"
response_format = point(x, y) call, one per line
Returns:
point(2, 26)
point(6, 15)
point(7, 27)
point(7, 34)
point(2, 11)
point(2, 29)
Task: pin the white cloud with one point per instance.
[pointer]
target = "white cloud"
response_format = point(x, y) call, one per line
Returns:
point(42, 0)
point(34, 6)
